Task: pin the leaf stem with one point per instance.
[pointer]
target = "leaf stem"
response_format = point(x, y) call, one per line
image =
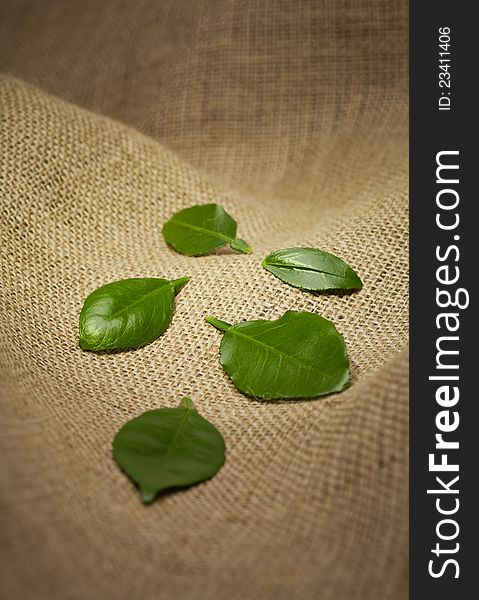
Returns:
point(147, 496)
point(221, 325)
point(241, 246)
point(187, 403)
point(179, 283)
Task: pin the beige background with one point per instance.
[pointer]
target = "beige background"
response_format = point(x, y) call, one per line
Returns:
point(113, 115)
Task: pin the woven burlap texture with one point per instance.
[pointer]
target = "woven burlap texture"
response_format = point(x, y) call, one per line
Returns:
point(114, 115)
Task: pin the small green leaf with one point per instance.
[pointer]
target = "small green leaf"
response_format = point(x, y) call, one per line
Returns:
point(200, 229)
point(300, 355)
point(168, 448)
point(312, 269)
point(127, 314)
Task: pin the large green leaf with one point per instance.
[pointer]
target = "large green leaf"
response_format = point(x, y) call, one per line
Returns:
point(300, 355)
point(127, 314)
point(200, 229)
point(312, 269)
point(168, 448)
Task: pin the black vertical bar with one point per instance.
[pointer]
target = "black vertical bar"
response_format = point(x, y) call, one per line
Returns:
point(454, 128)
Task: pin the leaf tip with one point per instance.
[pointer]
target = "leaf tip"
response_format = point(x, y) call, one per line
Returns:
point(179, 283)
point(241, 246)
point(88, 343)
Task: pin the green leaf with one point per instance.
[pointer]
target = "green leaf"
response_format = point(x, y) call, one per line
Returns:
point(312, 269)
point(200, 229)
point(168, 448)
point(127, 314)
point(300, 355)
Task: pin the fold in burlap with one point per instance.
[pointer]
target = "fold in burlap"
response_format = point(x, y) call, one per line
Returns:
point(293, 117)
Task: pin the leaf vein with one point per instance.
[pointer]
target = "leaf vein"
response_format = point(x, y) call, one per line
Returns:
point(309, 269)
point(138, 301)
point(275, 350)
point(204, 230)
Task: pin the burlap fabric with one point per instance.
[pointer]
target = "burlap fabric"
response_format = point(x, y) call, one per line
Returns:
point(113, 115)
